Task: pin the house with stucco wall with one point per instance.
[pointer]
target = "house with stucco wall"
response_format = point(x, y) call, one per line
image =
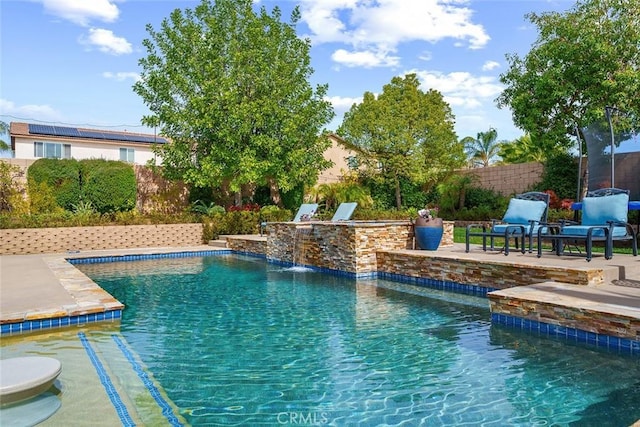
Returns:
point(33, 141)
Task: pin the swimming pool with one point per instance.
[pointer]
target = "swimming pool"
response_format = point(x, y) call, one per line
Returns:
point(234, 340)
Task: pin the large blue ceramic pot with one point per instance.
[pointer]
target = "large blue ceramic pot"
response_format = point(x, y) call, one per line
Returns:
point(428, 237)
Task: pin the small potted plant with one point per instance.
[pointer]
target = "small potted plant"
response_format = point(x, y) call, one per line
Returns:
point(428, 217)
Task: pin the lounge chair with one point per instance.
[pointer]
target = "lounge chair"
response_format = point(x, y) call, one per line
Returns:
point(344, 211)
point(604, 219)
point(521, 220)
point(305, 212)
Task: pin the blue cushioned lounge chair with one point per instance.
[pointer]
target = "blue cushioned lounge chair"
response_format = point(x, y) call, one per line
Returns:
point(604, 219)
point(344, 211)
point(521, 221)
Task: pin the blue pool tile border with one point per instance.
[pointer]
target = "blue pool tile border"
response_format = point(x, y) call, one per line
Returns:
point(621, 345)
point(114, 397)
point(141, 257)
point(443, 285)
point(59, 322)
point(155, 393)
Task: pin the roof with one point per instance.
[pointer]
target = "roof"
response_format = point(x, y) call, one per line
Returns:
point(30, 129)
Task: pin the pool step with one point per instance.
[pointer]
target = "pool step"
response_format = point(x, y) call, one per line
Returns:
point(147, 402)
point(219, 243)
point(605, 315)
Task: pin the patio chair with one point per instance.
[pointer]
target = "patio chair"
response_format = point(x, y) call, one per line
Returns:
point(604, 219)
point(305, 212)
point(521, 220)
point(344, 211)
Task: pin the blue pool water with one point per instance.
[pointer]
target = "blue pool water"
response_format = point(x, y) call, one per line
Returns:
point(236, 341)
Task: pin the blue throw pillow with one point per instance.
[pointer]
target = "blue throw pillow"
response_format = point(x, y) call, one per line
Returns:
point(522, 211)
point(599, 210)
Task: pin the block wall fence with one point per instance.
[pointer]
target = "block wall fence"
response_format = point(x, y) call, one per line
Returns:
point(21, 241)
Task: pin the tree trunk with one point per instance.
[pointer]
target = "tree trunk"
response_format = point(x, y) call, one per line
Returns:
point(398, 195)
point(274, 192)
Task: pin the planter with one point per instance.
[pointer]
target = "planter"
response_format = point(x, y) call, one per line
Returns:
point(428, 233)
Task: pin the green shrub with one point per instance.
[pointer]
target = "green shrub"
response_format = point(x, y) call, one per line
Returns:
point(42, 199)
point(271, 213)
point(110, 186)
point(560, 174)
point(11, 193)
point(62, 176)
point(204, 208)
point(483, 197)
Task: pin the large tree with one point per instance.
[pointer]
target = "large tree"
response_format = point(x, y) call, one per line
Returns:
point(229, 86)
point(404, 133)
point(584, 60)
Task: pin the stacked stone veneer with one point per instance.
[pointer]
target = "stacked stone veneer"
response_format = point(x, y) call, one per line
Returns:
point(246, 244)
point(350, 246)
point(475, 272)
point(545, 304)
point(64, 239)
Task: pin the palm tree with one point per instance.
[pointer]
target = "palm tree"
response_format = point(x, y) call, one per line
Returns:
point(522, 150)
point(484, 149)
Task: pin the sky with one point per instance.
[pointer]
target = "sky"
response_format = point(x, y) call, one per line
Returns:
point(73, 62)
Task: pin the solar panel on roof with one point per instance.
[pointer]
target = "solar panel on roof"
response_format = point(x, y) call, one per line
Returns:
point(91, 134)
point(82, 133)
point(41, 129)
point(66, 131)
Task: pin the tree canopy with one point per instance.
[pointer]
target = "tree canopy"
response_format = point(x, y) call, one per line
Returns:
point(403, 133)
point(584, 60)
point(229, 87)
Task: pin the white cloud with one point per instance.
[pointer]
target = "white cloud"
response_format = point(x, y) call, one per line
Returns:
point(367, 59)
point(343, 103)
point(490, 65)
point(461, 88)
point(106, 42)
point(380, 26)
point(26, 112)
point(121, 76)
point(82, 12)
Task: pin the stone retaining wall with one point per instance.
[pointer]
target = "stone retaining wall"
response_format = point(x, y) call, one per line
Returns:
point(480, 273)
point(64, 239)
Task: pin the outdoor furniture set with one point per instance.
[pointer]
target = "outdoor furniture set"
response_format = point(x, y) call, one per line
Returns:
point(604, 219)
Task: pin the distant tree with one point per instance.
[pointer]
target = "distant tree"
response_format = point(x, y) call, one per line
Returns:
point(584, 59)
point(482, 150)
point(230, 88)
point(523, 150)
point(403, 133)
point(4, 129)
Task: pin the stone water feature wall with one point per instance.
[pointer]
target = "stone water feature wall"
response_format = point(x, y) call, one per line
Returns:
point(347, 246)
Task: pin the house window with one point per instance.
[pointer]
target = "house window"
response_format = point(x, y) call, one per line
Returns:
point(127, 155)
point(51, 150)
